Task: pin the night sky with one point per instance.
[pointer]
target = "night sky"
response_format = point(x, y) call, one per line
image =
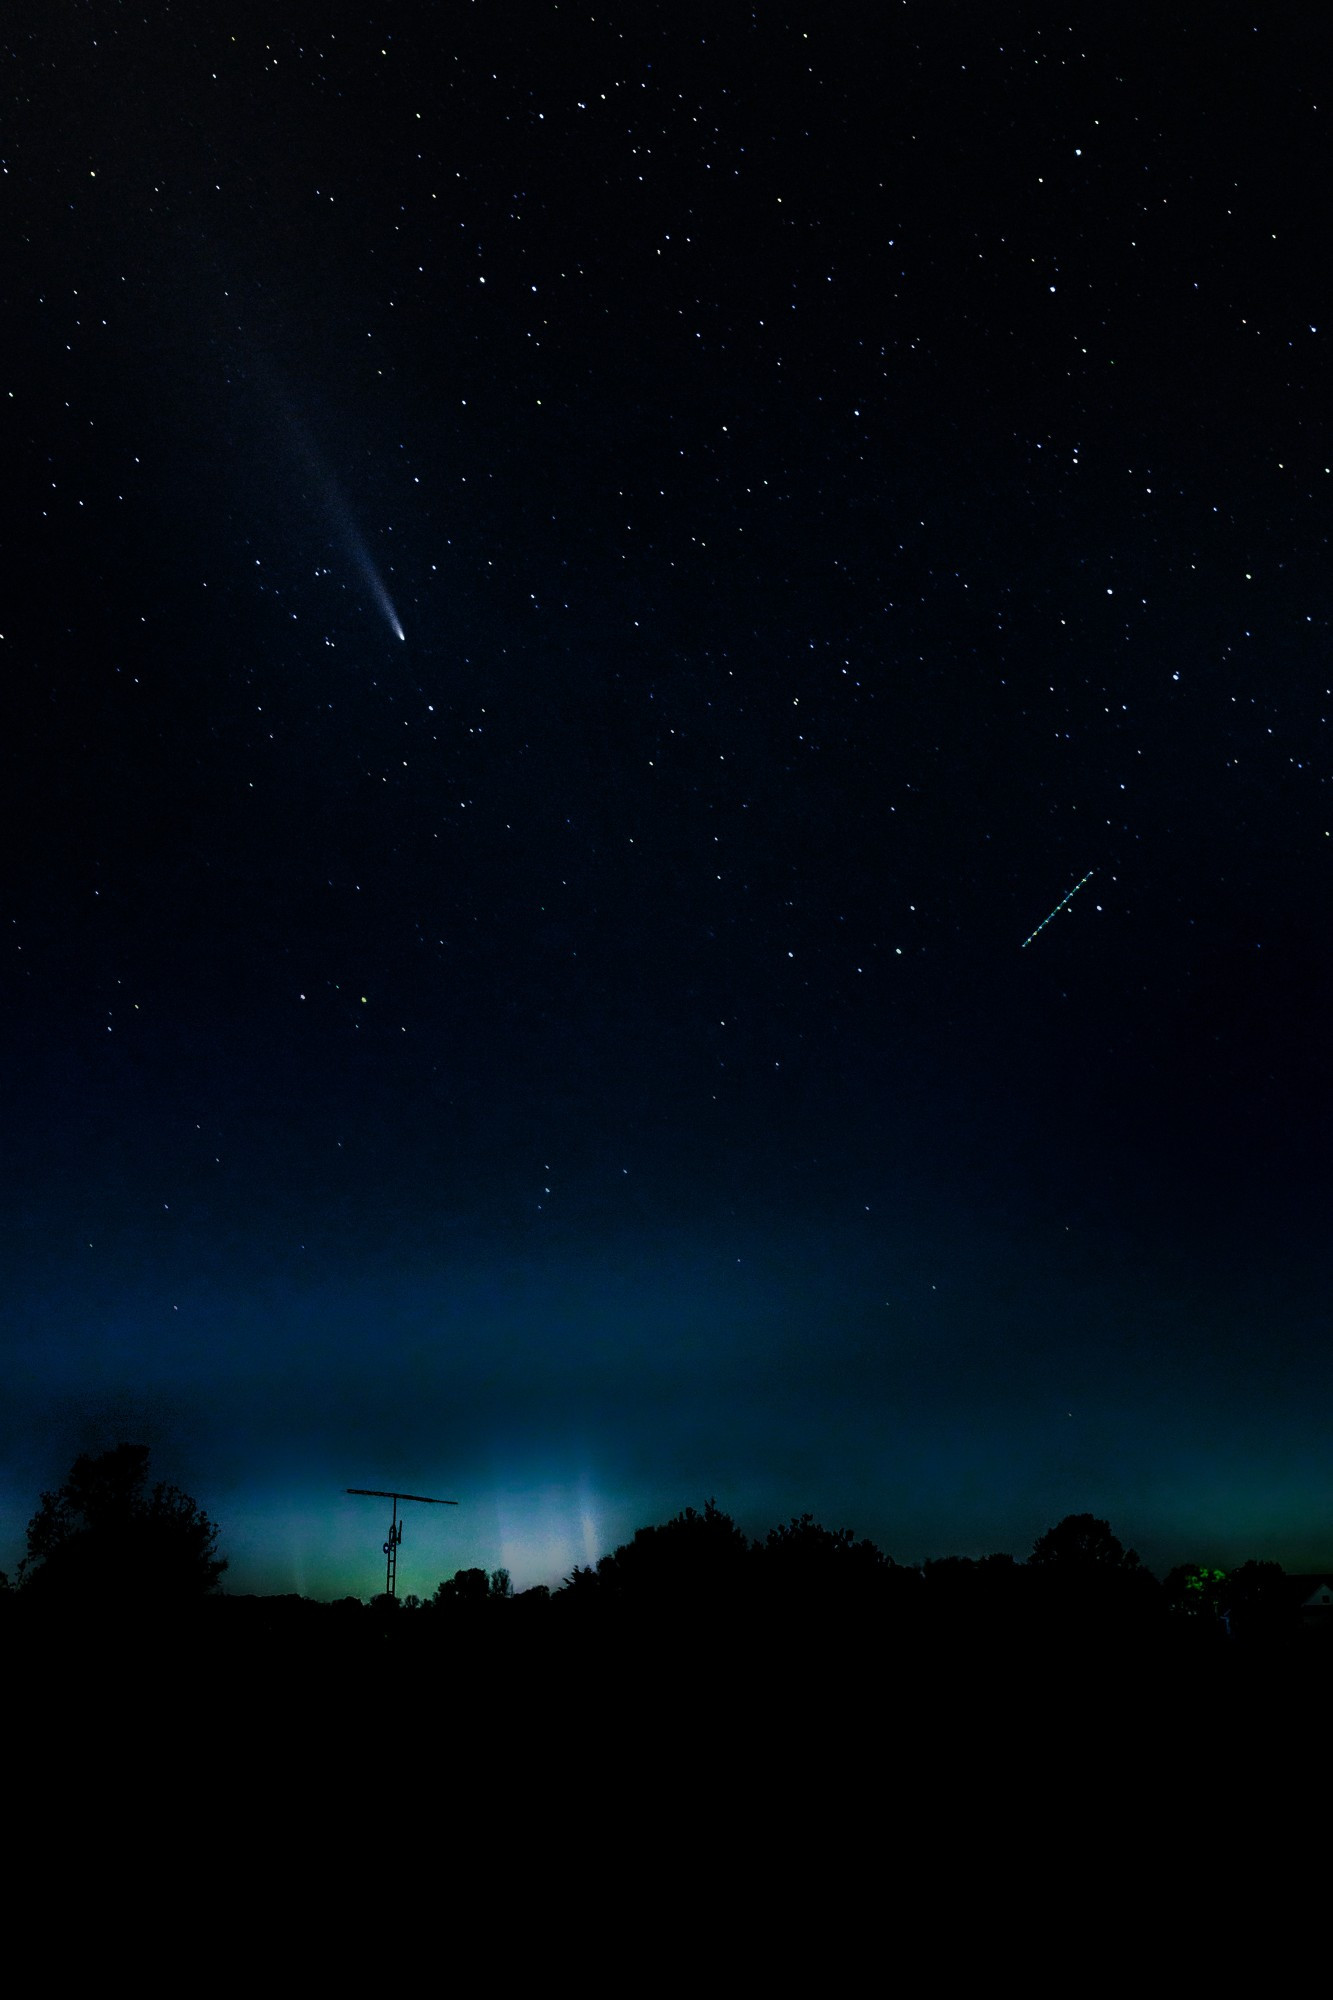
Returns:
point(577, 581)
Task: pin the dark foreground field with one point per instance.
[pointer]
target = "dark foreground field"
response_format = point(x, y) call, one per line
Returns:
point(281, 1701)
point(653, 1805)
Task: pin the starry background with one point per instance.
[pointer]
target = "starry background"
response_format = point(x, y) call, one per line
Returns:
point(841, 477)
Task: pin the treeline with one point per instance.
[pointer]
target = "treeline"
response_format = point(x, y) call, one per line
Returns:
point(107, 1543)
point(700, 1568)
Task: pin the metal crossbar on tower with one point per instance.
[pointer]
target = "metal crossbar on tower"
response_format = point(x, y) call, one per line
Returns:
point(396, 1528)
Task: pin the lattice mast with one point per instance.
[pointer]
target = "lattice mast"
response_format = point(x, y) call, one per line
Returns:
point(396, 1528)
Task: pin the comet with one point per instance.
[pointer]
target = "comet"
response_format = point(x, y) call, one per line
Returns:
point(362, 557)
point(331, 498)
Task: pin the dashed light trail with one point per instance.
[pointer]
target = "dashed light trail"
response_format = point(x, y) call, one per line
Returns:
point(1056, 911)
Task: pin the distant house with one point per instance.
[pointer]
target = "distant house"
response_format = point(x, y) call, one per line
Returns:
point(1313, 1596)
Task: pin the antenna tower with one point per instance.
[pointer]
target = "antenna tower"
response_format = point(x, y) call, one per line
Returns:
point(396, 1528)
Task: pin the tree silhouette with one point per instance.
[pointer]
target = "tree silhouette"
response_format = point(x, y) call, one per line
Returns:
point(104, 1538)
point(1087, 1582)
point(1081, 1543)
point(694, 1565)
point(970, 1594)
point(465, 1587)
point(1259, 1603)
point(1193, 1590)
point(807, 1566)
